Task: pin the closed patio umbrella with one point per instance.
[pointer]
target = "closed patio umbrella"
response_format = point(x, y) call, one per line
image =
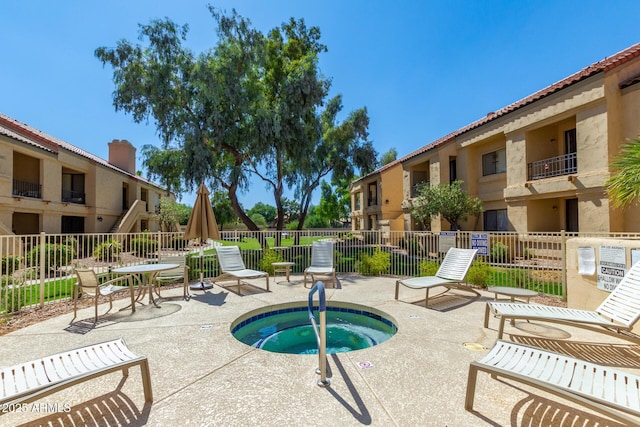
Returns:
point(202, 225)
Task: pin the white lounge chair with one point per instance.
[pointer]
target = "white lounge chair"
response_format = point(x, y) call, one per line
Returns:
point(451, 273)
point(321, 262)
point(615, 316)
point(601, 388)
point(232, 266)
point(89, 284)
point(33, 380)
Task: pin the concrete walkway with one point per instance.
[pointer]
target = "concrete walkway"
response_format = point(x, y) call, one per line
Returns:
point(202, 376)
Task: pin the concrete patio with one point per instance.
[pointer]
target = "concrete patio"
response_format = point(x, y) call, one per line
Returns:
point(203, 376)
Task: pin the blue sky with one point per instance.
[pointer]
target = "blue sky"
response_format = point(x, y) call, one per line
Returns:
point(422, 68)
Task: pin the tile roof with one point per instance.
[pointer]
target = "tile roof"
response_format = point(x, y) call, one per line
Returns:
point(604, 65)
point(22, 132)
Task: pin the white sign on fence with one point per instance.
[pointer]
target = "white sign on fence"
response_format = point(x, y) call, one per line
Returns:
point(480, 241)
point(612, 267)
point(447, 241)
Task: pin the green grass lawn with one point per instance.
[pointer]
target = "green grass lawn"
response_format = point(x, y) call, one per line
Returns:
point(527, 279)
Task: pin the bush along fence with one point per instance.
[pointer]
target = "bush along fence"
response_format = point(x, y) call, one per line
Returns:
point(38, 269)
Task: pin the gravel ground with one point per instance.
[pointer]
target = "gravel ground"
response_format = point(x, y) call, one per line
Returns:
point(30, 316)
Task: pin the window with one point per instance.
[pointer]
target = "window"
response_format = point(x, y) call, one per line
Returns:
point(72, 224)
point(373, 198)
point(494, 162)
point(453, 174)
point(496, 220)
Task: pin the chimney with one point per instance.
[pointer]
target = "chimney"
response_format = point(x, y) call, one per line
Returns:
point(123, 155)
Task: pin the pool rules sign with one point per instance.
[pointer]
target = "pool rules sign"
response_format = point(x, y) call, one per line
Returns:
point(612, 267)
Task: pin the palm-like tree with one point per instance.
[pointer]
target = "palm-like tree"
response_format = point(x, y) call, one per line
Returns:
point(623, 187)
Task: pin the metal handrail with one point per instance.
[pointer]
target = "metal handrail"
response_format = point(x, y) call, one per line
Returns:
point(321, 337)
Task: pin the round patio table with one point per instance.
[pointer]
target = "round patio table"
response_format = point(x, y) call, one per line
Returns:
point(282, 267)
point(146, 274)
point(512, 293)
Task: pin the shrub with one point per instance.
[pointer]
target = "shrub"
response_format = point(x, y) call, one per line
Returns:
point(259, 220)
point(268, 257)
point(143, 246)
point(479, 274)
point(428, 268)
point(14, 291)
point(107, 251)
point(55, 256)
point(500, 252)
point(12, 302)
point(9, 263)
point(374, 265)
point(527, 253)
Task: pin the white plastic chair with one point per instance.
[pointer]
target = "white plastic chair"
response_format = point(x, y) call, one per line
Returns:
point(321, 262)
point(454, 268)
point(232, 266)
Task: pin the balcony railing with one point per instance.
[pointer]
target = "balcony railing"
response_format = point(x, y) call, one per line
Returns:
point(27, 189)
point(415, 190)
point(553, 166)
point(70, 196)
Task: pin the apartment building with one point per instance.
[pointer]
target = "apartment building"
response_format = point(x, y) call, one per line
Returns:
point(49, 185)
point(539, 164)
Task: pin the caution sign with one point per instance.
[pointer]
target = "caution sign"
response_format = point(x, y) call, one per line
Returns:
point(612, 267)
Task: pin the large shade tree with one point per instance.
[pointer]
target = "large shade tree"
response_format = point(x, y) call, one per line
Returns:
point(208, 109)
point(338, 152)
point(293, 91)
point(250, 105)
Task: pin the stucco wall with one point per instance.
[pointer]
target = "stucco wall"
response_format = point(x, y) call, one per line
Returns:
point(392, 195)
point(582, 291)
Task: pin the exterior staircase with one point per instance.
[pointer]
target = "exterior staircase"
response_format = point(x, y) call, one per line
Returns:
point(128, 219)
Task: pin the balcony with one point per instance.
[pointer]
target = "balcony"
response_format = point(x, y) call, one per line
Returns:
point(415, 190)
point(554, 166)
point(27, 189)
point(373, 201)
point(70, 196)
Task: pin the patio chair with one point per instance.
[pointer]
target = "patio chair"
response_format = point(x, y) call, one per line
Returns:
point(451, 273)
point(602, 388)
point(232, 266)
point(321, 262)
point(180, 273)
point(89, 284)
point(38, 378)
point(616, 316)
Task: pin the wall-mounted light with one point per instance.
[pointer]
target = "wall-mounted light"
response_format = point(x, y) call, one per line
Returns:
point(386, 201)
point(552, 140)
point(554, 207)
point(99, 219)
